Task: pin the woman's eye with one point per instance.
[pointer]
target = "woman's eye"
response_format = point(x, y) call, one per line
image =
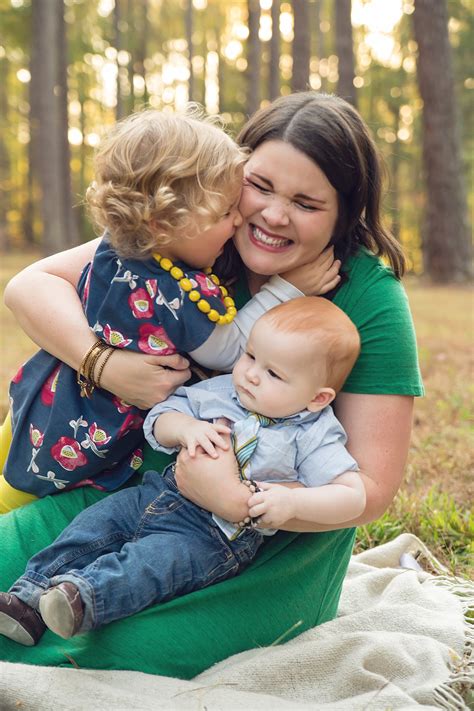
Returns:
point(257, 186)
point(307, 208)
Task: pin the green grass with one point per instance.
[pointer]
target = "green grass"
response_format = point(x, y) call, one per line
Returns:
point(435, 500)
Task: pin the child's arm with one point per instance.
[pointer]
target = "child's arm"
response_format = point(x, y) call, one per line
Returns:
point(341, 500)
point(175, 429)
point(226, 343)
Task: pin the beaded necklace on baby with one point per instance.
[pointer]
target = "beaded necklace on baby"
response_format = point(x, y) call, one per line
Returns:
point(196, 297)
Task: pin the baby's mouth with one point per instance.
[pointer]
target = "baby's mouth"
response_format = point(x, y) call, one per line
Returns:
point(267, 240)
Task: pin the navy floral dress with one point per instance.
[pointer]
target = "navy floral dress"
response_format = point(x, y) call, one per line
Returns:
point(61, 440)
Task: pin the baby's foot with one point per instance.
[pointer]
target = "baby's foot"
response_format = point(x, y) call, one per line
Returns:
point(19, 621)
point(62, 610)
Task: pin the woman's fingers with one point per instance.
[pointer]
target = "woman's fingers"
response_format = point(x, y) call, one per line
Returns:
point(175, 361)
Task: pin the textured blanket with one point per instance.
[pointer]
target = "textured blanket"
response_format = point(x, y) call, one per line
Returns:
point(400, 641)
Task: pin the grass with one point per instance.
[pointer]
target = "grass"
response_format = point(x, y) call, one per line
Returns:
point(434, 501)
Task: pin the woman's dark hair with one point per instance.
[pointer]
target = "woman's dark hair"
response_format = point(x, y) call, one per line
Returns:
point(331, 133)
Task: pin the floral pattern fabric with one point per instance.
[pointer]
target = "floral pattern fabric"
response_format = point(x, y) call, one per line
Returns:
point(62, 441)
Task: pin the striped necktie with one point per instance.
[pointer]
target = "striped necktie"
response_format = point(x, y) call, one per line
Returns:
point(244, 438)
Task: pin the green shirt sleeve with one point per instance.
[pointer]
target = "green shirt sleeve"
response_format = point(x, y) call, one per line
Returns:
point(377, 304)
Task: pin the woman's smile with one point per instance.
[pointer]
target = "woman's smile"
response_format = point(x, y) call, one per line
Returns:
point(266, 240)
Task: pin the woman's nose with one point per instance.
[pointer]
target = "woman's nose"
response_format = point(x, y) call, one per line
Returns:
point(275, 214)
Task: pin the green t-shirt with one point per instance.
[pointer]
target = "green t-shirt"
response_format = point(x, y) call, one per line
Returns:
point(295, 581)
point(377, 304)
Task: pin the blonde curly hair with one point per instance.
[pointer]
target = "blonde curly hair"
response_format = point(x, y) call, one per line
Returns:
point(159, 176)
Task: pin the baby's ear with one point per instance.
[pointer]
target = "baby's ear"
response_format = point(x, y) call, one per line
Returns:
point(322, 399)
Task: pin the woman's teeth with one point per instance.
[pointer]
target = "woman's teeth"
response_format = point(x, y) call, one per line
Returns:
point(270, 241)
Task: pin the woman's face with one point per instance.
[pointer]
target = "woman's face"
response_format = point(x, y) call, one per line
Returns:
point(288, 208)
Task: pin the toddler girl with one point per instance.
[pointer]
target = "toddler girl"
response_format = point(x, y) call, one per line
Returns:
point(166, 193)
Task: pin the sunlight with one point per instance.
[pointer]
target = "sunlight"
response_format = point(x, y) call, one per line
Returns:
point(380, 19)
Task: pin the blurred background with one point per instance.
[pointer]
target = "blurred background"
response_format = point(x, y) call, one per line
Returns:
point(70, 68)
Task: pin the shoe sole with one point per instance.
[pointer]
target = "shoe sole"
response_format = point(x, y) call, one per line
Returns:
point(57, 613)
point(13, 630)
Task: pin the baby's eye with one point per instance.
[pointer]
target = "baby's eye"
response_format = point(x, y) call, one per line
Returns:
point(249, 355)
point(272, 374)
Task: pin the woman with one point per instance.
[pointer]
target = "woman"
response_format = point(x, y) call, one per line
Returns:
point(312, 180)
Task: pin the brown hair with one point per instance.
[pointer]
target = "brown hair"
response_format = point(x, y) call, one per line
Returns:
point(330, 334)
point(332, 133)
point(160, 175)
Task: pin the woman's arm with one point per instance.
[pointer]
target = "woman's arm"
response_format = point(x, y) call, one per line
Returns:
point(44, 300)
point(378, 429)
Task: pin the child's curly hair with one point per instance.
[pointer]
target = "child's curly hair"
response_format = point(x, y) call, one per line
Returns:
point(158, 176)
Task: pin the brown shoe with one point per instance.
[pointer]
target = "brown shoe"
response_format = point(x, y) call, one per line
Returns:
point(19, 621)
point(62, 610)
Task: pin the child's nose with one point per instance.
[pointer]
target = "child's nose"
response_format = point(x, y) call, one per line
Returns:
point(252, 376)
point(237, 218)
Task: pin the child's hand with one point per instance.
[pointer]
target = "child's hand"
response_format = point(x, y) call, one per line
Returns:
point(316, 277)
point(199, 433)
point(273, 506)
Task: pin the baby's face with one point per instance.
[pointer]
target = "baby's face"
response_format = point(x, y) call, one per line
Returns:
point(276, 375)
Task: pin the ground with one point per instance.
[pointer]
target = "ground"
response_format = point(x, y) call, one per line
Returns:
point(435, 499)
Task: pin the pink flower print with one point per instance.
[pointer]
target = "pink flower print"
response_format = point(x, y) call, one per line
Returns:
point(121, 405)
point(48, 390)
point(68, 453)
point(154, 340)
point(206, 286)
point(85, 293)
point(115, 338)
point(151, 287)
point(36, 437)
point(98, 436)
point(133, 421)
point(18, 376)
point(141, 304)
point(136, 460)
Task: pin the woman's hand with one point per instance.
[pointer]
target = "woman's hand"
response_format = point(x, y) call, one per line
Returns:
point(213, 484)
point(317, 277)
point(144, 380)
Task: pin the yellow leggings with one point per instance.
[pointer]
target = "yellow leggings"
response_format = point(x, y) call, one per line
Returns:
point(10, 498)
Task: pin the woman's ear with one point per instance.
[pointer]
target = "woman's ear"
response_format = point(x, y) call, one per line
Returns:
point(322, 399)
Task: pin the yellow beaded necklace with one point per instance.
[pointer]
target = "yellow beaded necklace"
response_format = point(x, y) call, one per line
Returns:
point(195, 296)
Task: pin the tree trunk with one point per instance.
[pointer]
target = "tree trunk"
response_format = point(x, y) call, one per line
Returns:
point(142, 46)
point(254, 57)
point(5, 167)
point(117, 19)
point(447, 248)
point(71, 236)
point(344, 51)
point(274, 69)
point(301, 46)
point(188, 21)
point(51, 96)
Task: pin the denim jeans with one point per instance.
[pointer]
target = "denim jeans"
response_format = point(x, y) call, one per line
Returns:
point(140, 546)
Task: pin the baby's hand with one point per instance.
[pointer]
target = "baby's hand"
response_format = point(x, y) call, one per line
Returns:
point(206, 435)
point(317, 277)
point(273, 506)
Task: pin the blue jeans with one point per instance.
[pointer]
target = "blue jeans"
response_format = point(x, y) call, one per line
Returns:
point(140, 546)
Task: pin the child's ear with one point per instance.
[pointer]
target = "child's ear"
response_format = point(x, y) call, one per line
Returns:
point(322, 399)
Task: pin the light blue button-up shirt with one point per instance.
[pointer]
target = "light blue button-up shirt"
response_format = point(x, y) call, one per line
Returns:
point(308, 447)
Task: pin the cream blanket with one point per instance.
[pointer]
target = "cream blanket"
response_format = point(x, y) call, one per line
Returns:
point(400, 641)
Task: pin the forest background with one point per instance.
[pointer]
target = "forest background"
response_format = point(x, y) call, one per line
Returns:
point(70, 68)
